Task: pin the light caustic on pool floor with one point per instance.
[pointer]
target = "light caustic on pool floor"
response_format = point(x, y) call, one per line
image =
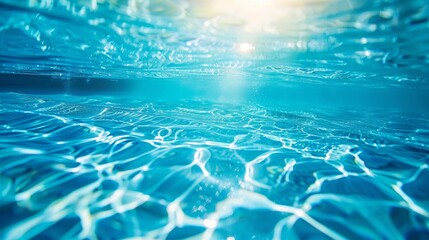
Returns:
point(102, 169)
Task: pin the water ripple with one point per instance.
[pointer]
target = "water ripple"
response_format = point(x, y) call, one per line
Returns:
point(103, 169)
point(162, 39)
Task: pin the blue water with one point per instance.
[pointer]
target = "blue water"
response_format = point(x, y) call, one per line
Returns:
point(157, 119)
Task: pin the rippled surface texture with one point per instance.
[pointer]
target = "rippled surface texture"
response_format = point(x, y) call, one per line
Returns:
point(223, 119)
point(101, 169)
point(305, 41)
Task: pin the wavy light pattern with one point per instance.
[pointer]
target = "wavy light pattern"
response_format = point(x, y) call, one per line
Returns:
point(98, 168)
point(224, 119)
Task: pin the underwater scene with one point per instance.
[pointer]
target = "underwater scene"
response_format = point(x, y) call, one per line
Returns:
point(214, 119)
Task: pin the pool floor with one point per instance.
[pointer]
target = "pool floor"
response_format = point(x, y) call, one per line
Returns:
point(110, 168)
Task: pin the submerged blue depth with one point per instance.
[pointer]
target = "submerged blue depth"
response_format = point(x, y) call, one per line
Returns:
point(158, 119)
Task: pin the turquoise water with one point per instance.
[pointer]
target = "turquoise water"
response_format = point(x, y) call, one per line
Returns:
point(214, 119)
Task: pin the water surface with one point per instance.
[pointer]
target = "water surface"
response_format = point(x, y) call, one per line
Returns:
point(214, 119)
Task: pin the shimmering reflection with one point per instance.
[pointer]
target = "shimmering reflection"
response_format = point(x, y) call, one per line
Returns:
point(365, 42)
point(99, 168)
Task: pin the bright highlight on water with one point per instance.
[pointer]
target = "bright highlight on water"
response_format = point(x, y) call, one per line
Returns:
point(158, 119)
